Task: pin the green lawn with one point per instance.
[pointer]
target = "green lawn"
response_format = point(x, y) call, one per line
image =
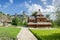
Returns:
point(47, 34)
point(10, 32)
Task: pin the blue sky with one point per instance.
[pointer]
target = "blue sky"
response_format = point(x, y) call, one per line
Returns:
point(29, 6)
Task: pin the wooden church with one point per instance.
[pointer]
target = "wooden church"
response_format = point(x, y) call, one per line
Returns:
point(39, 20)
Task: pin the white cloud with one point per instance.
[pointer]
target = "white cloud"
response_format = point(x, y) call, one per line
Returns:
point(35, 7)
point(56, 3)
point(11, 1)
point(44, 2)
point(53, 16)
point(53, 1)
point(50, 8)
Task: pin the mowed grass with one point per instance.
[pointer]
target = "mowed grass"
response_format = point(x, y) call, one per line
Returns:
point(9, 32)
point(47, 34)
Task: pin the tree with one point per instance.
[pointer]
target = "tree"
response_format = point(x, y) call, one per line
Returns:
point(15, 21)
point(1, 15)
point(48, 16)
point(58, 17)
point(8, 16)
point(57, 12)
point(34, 13)
point(25, 24)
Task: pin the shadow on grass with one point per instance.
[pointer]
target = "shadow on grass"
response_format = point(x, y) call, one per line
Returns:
point(54, 36)
point(36, 35)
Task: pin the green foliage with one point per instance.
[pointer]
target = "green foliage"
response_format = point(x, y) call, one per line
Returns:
point(1, 14)
point(53, 23)
point(9, 17)
point(57, 21)
point(15, 21)
point(48, 16)
point(47, 34)
point(20, 23)
point(34, 13)
point(25, 24)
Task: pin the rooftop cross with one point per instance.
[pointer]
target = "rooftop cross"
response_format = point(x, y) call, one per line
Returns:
point(39, 9)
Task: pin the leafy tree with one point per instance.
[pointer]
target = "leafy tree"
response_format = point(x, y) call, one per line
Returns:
point(15, 21)
point(9, 16)
point(1, 15)
point(48, 16)
point(25, 23)
point(57, 21)
point(57, 12)
point(34, 13)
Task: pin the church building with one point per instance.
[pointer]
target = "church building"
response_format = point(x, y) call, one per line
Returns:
point(39, 20)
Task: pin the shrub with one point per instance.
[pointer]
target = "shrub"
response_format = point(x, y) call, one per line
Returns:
point(15, 21)
point(25, 24)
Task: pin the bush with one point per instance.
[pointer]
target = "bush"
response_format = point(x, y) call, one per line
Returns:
point(25, 24)
point(15, 21)
point(57, 22)
point(52, 23)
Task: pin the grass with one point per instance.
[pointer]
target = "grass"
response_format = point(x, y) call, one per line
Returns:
point(47, 34)
point(10, 32)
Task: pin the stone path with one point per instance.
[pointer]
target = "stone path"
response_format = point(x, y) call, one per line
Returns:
point(25, 34)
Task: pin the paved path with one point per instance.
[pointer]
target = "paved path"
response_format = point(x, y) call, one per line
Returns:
point(25, 34)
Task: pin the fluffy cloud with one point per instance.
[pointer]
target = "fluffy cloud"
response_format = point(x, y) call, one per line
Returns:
point(53, 16)
point(35, 7)
point(53, 2)
point(50, 8)
point(44, 2)
point(11, 1)
point(56, 3)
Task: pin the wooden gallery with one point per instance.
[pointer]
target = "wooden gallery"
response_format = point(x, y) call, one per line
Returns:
point(39, 20)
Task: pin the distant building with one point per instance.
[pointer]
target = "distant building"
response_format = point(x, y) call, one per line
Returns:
point(38, 21)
